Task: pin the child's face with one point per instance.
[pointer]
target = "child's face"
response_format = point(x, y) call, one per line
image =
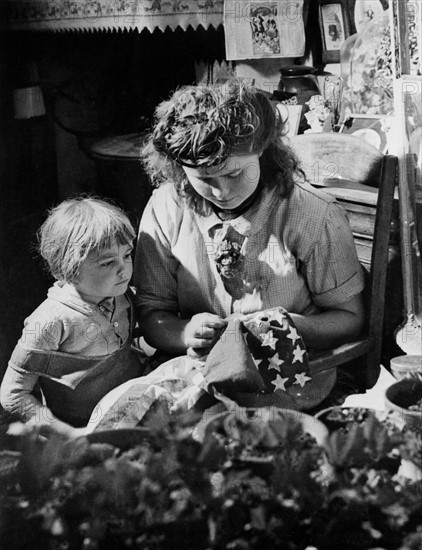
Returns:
point(105, 273)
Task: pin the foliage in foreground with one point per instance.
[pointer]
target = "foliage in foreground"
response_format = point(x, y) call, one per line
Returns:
point(266, 489)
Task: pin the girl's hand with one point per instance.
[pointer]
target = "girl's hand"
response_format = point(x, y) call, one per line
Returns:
point(242, 317)
point(202, 332)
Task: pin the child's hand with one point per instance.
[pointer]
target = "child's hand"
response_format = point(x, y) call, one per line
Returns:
point(202, 332)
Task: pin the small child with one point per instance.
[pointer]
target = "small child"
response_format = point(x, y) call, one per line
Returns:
point(76, 346)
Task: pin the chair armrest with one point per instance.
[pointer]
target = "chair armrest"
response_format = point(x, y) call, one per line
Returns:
point(329, 359)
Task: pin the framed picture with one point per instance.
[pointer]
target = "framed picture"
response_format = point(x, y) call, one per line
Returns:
point(373, 129)
point(290, 115)
point(406, 34)
point(335, 28)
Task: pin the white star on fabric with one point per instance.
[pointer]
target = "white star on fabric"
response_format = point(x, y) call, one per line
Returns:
point(275, 362)
point(301, 379)
point(277, 316)
point(293, 335)
point(269, 340)
point(298, 354)
point(279, 383)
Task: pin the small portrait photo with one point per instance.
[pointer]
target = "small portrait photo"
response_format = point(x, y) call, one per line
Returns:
point(332, 26)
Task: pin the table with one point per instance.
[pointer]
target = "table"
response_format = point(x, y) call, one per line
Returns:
point(373, 398)
point(120, 175)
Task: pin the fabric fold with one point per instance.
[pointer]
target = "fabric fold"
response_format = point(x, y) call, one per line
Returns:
point(229, 367)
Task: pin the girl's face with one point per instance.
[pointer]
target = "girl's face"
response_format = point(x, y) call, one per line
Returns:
point(229, 184)
point(106, 273)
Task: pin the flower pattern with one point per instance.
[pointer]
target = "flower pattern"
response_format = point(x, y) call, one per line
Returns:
point(113, 14)
point(229, 259)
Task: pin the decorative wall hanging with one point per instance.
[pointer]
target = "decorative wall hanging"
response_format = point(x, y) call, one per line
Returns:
point(264, 28)
point(367, 70)
point(406, 34)
point(60, 15)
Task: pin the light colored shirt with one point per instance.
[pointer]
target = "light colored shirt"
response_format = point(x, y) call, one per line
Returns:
point(67, 324)
point(299, 254)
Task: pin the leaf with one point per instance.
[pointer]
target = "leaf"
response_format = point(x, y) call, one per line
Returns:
point(346, 448)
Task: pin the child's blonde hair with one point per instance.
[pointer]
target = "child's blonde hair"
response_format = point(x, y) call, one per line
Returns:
point(77, 227)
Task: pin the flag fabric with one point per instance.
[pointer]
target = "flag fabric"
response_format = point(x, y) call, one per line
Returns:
point(271, 339)
point(260, 360)
point(278, 350)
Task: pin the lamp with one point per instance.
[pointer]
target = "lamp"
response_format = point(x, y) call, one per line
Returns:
point(28, 102)
point(28, 98)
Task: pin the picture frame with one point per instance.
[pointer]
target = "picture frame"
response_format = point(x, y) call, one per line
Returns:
point(290, 115)
point(406, 37)
point(373, 129)
point(334, 23)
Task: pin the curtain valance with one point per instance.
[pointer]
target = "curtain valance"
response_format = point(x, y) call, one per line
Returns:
point(93, 15)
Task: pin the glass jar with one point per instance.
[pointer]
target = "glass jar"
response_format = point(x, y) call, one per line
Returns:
point(299, 80)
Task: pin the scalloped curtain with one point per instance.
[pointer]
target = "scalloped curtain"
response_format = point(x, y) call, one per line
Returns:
point(94, 15)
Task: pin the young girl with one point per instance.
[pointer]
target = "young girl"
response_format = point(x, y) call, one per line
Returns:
point(76, 346)
point(234, 229)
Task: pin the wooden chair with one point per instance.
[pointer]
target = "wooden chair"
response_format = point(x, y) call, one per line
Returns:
point(363, 180)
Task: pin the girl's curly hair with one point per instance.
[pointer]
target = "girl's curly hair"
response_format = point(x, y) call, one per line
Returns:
point(204, 125)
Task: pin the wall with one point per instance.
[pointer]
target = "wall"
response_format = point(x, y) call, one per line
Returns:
point(95, 85)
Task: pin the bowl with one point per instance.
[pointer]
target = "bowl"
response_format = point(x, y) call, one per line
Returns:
point(402, 395)
point(407, 366)
point(339, 416)
point(257, 418)
point(123, 438)
point(251, 437)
